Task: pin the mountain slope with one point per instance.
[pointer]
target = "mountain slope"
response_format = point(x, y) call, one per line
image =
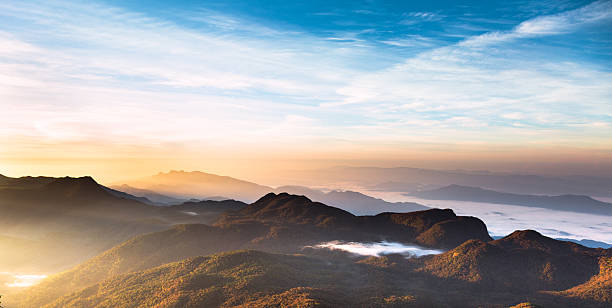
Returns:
point(521, 261)
point(200, 185)
point(242, 278)
point(258, 279)
point(573, 203)
point(597, 289)
point(354, 202)
point(404, 227)
point(63, 221)
point(280, 223)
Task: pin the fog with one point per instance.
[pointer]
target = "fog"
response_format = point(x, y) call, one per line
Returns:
point(378, 248)
point(13, 280)
point(502, 219)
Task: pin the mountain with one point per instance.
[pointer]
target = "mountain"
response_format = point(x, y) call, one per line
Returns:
point(151, 196)
point(354, 202)
point(524, 260)
point(520, 270)
point(280, 223)
point(242, 279)
point(62, 221)
point(199, 185)
point(432, 228)
point(572, 203)
point(409, 180)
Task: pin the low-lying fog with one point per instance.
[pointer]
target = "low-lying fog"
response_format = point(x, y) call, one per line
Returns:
point(502, 219)
point(12, 280)
point(379, 248)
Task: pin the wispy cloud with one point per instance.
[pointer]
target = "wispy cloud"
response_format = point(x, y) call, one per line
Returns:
point(547, 25)
point(417, 17)
point(87, 72)
point(478, 83)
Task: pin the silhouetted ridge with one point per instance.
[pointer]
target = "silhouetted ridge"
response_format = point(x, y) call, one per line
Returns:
point(85, 187)
point(25, 181)
point(208, 205)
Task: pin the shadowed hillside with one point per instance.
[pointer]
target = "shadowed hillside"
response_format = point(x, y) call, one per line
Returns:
point(62, 221)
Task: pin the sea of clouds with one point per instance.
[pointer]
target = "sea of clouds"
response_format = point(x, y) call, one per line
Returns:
point(503, 219)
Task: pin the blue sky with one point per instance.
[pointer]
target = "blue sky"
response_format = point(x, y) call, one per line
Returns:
point(382, 77)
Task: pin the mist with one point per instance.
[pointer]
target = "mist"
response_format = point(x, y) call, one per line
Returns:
point(378, 249)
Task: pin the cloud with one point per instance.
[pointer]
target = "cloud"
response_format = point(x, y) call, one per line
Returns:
point(85, 72)
point(410, 41)
point(418, 17)
point(475, 84)
point(546, 25)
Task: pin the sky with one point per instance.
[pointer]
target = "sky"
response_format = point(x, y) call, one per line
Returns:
point(124, 88)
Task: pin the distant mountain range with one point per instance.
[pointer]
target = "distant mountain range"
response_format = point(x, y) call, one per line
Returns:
point(175, 267)
point(583, 242)
point(195, 184)
point(409, 180)
point(178, 186)
point(572, 203)
point(149, 196)
point(354, 202)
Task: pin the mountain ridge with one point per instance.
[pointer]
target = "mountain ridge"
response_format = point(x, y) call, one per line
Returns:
point(568, 202)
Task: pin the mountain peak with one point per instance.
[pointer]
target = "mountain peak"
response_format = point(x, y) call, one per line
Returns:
point(84, 186)
point(281, 196)
point(530, 239)
point(526, 234)
point(287, 208)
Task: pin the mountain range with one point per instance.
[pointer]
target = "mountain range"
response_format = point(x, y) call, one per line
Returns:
point(409, 180)
point(178, 186)
point(572, 203)
point(232, 254)
point(196, 185)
